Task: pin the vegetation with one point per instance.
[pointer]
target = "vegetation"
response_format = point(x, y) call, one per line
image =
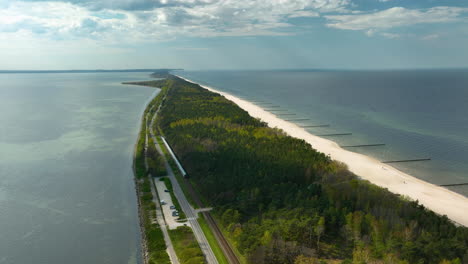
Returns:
point(155, 161)
point(139, 162)
point(152, 233)
point(186, 246)
point(280, 201)
point(212, 240)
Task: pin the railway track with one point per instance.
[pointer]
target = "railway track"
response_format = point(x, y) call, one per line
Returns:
point(225, 246)
point(223, 243)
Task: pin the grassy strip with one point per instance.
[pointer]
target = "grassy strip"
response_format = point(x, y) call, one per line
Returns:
point(139, 160)
point(242, 259)
point(212, 241)
point(186, 246)
point(175, 202)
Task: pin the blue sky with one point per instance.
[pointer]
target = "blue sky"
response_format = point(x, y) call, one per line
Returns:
point(233, 34)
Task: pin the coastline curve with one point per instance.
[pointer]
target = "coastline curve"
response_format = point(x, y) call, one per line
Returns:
point(436, 198)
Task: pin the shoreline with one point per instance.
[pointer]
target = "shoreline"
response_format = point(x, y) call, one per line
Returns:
point(438, 199)
point(144, 253)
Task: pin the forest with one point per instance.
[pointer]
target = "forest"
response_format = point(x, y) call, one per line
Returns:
point(280, 201)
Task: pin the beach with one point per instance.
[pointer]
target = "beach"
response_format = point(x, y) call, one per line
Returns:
point(436, 198)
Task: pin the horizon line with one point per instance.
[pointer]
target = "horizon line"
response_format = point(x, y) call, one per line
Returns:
point(231, 69)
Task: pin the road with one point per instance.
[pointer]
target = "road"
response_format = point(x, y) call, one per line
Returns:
point(159, 215)
point(184, 204)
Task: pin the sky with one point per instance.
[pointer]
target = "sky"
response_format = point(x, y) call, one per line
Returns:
point(233, 34)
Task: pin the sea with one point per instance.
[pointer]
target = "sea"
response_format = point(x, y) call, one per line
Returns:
point(407, 114)
point(67, 193)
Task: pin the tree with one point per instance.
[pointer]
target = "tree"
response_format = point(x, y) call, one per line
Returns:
point(305, 260)
point(266, 239)
point(319, 229)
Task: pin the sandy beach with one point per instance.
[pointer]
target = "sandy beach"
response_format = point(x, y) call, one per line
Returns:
point(436, 198)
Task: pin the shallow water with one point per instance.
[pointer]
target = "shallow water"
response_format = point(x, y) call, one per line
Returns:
point(66, 184)
point(417, 114)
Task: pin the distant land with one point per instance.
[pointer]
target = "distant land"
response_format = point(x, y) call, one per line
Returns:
point(86, 71)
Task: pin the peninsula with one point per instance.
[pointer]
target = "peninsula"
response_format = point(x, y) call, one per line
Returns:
point(279, 200)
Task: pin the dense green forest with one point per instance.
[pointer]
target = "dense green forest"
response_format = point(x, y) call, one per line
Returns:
point(280, 201)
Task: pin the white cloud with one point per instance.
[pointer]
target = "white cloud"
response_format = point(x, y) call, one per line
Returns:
point(190, 48)
point(390, 35)
point(431, 36)
point(395, 17)
point(158, 20)
point(304, 14)
point(370, 32)
point(165, 20)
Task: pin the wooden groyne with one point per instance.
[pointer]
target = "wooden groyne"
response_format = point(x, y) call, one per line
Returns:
point(307, 126)
point(363, 145)
point(285, 114)
point(336, 134)
point(407, 160)
point(297, 119)
point(454, 184)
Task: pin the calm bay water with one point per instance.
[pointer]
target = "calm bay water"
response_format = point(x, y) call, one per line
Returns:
point(417, 114)
point(66, 184)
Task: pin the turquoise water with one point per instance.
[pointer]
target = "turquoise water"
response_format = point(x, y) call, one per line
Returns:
point(417, 114)
point(66, 185)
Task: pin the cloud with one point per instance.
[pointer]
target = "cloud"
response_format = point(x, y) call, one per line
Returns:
point(370, 32)
point(395, 17)
point(390, 35)
point(149, 20)
point(48, 16)
point(190, 48)
point(304, 14)
point(132, 21)
point(141, 5)
point(431, 37)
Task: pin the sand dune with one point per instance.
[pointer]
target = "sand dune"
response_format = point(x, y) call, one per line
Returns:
point(436, 198)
